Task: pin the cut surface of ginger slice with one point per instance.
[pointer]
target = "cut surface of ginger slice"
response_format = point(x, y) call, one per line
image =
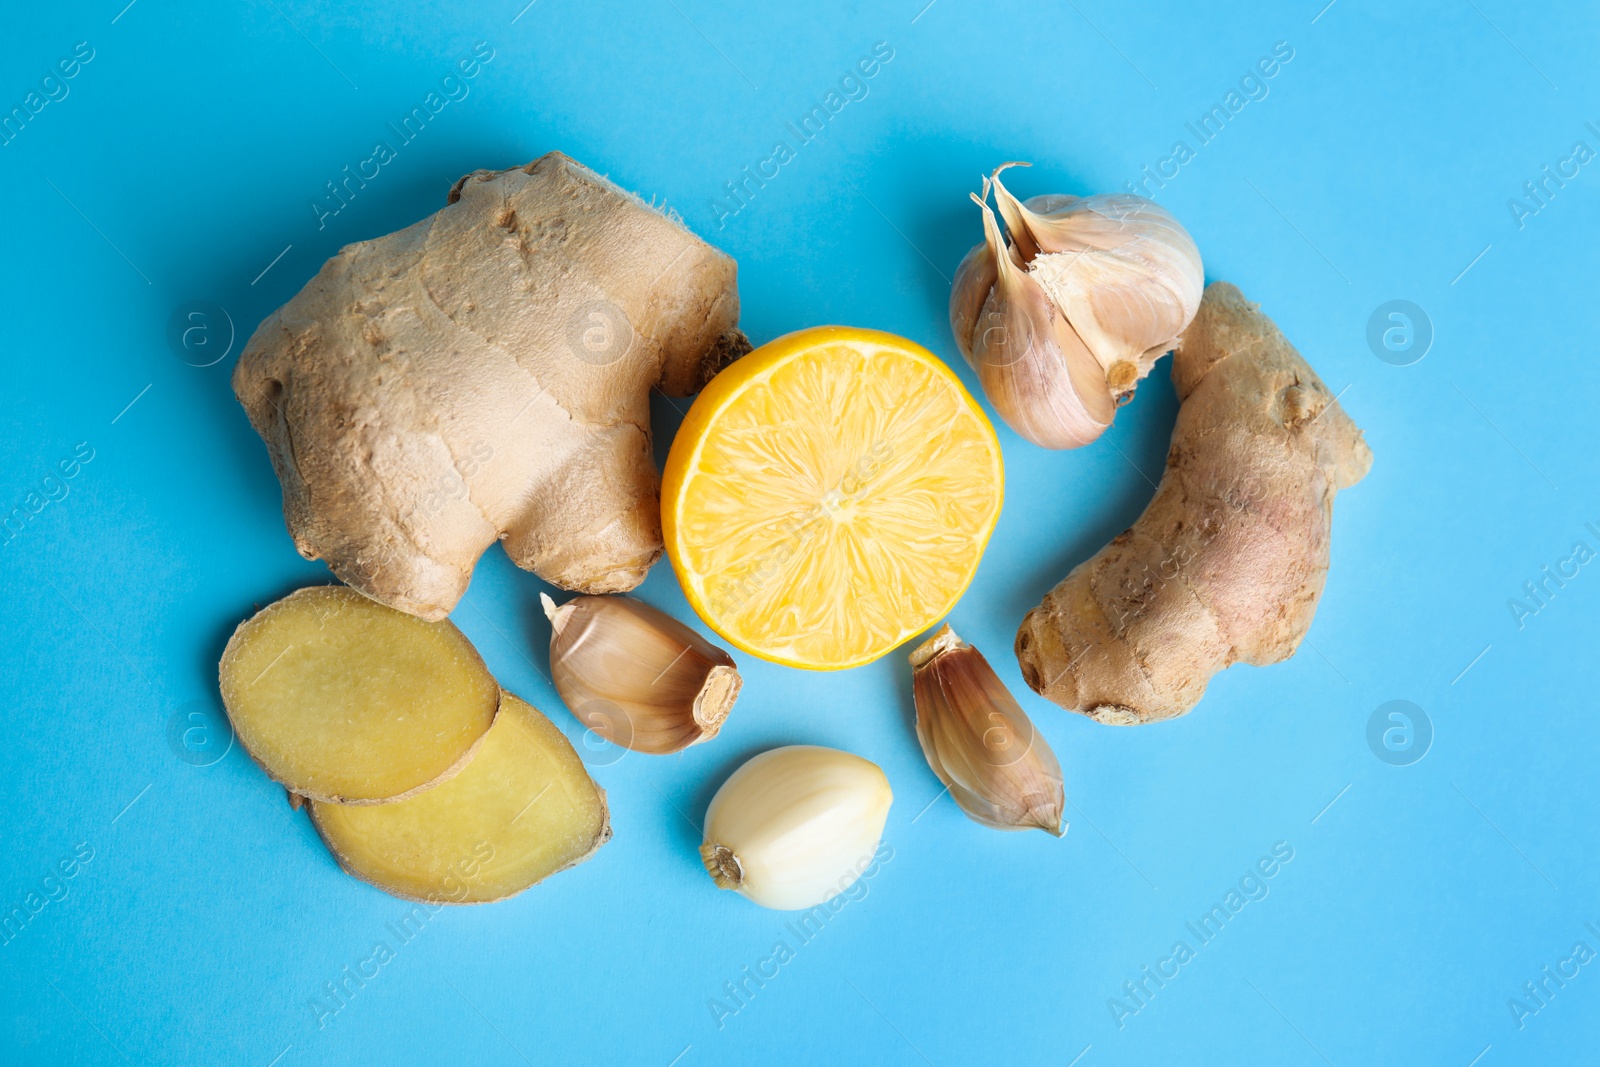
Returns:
point(342, 699)
point(523, 809)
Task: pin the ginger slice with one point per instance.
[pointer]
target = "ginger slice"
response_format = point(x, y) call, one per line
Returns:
point(523, 809)
point(341, 699)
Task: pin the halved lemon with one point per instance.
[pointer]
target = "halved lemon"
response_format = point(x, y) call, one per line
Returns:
point(829, 496)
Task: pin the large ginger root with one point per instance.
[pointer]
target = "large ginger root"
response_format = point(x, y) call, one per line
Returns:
point(1227, 563)
point(484, 375)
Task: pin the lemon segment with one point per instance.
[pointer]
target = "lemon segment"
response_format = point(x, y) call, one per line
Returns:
point(829, 496)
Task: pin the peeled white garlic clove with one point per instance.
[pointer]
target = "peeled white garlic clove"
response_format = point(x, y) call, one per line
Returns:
point(1034, 368)
point(980, 742)
point(1119, 270)
point(637, 676)
point(794, 826)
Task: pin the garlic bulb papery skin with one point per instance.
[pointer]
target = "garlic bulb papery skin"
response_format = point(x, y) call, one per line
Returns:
point(1121, 278)
point(980, 742)
point(636, 676)
point(796, 825)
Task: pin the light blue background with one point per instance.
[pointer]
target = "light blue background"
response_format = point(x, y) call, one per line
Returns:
point(186, 158)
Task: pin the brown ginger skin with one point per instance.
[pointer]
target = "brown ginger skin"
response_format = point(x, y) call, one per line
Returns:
point(1227, 562)
point(484, 375)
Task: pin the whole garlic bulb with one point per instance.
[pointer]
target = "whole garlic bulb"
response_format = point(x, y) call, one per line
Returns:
point(1063, 319)
point(795, 825)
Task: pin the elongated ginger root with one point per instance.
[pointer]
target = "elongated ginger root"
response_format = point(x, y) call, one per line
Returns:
point(484, 375)
point(1228, 561)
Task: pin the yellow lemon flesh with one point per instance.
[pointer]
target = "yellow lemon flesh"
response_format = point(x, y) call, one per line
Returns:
point(829, 496)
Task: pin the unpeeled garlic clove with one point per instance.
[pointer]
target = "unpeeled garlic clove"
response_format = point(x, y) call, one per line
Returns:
point(975, 278)
point(637, 676)
point(980, 742)
point(1121, 268)
point(1034, 368)
point(1120, 274)
point(794, 826)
